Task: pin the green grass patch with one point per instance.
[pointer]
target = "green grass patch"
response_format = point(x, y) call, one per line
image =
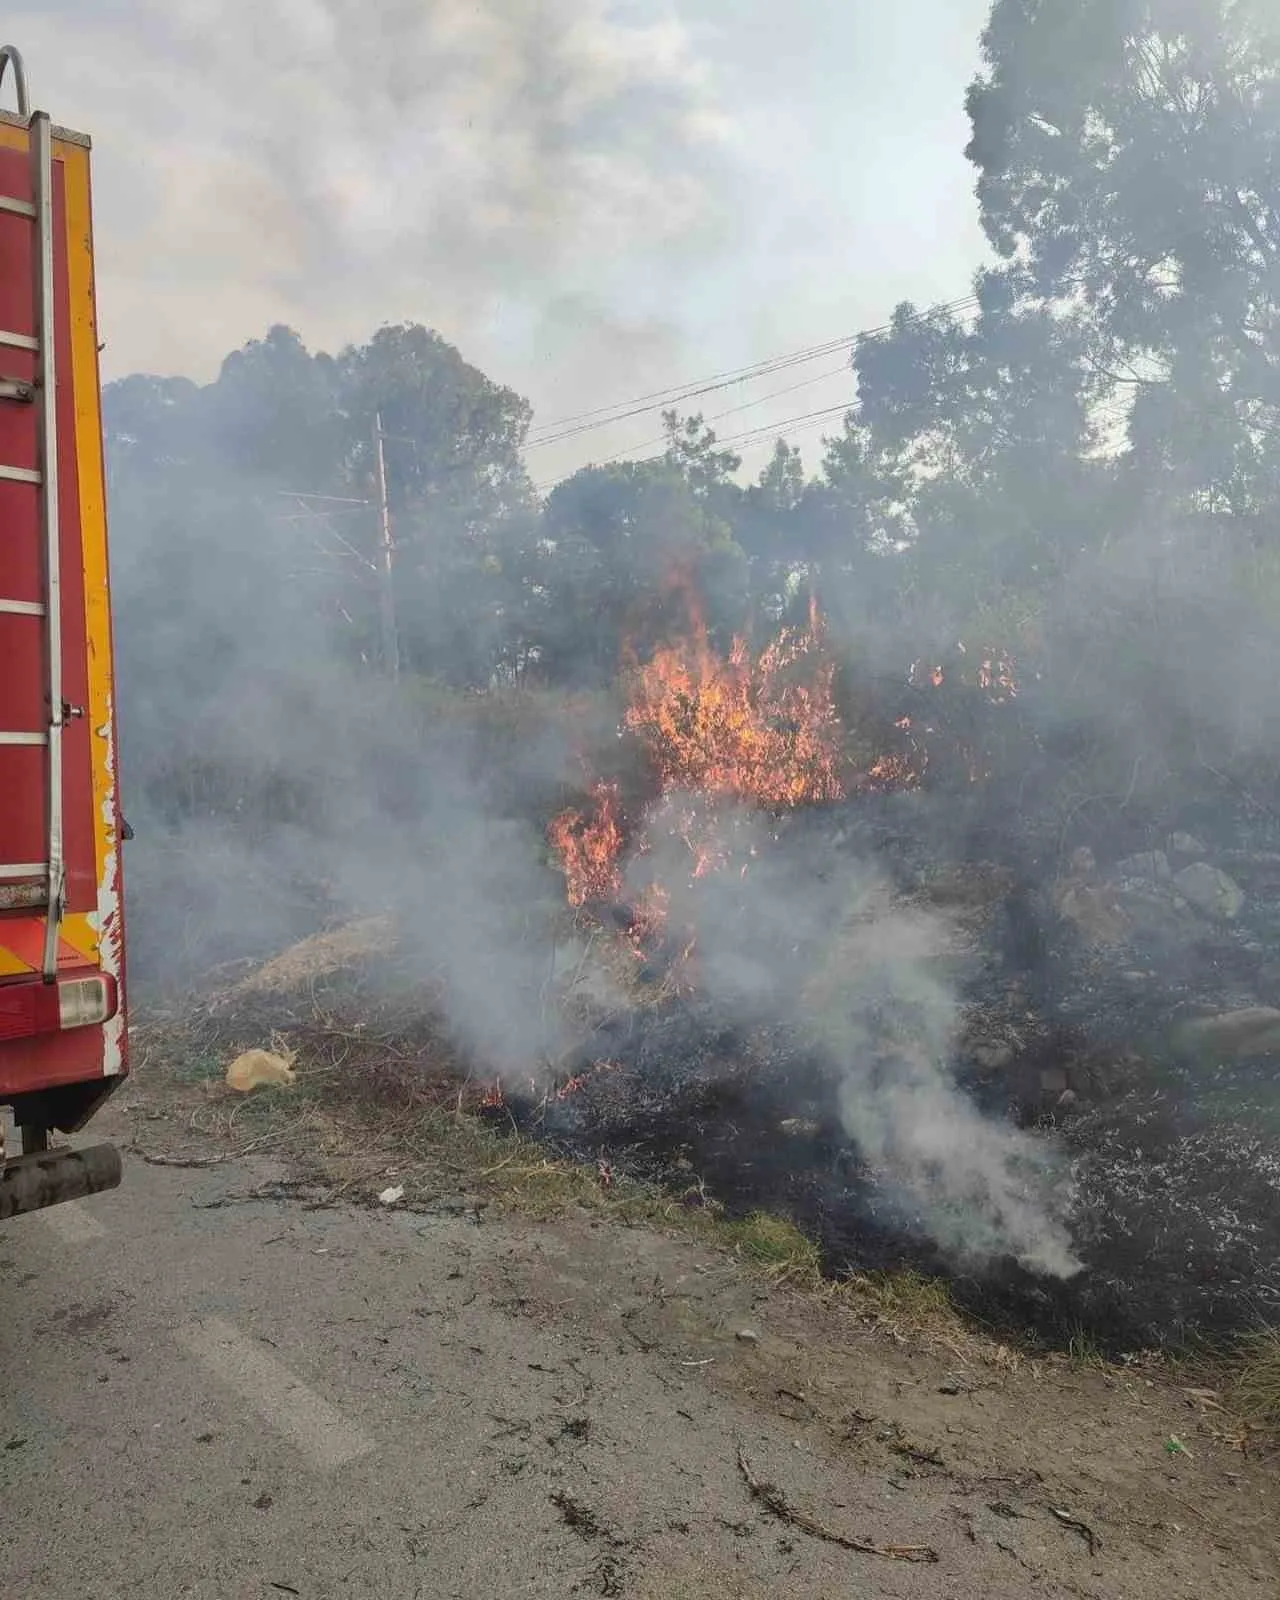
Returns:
point(198, 1067)
point(774, 1243)
point(1083, 1350)
point(908, 1298)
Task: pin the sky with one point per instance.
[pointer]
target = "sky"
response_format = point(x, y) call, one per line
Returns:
point(593, 199)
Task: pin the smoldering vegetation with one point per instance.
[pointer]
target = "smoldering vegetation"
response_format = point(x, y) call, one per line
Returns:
point(997, 994)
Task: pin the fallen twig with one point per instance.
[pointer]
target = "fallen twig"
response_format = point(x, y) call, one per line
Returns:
point(773, 1499)
point(1082, 1528)
point(158, 1159)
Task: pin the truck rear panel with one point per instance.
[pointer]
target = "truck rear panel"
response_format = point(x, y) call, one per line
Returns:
point(53, 1055)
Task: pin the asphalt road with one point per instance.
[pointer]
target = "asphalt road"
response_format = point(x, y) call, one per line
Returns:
point(206, 1395)
point(214, 1392)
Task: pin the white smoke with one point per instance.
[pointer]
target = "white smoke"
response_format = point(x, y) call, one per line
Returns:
point(473, 164)
point(809, 935)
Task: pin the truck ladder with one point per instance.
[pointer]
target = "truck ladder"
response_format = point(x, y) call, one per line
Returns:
point(43, 480)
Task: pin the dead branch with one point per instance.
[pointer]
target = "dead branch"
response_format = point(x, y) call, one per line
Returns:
point(1082, 1528)
point(158, 1159)
point(773, 1499)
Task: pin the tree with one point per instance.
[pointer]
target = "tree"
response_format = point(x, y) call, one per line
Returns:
point(457, 488)
point(1129, 152)
point(989, 430)
point(144, 423)
point(275, 413)
point(454, 437)
point(622, 545)
point(691, 451)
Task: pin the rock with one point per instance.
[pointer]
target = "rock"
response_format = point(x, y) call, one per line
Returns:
point(747, 1336)
point(1187, 845)
point(1152, 864)
point(1210, 891)
point(1231, 1035)
point(1156, 914)
point(392, 1196)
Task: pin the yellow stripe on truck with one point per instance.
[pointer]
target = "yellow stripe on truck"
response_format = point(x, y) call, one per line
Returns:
point(93, 530)
point(101, 931)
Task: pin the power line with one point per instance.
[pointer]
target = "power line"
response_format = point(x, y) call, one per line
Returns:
point(746, 374)
point(747, 405)
point(564, 428)
point(674, 397)
point(805, 422)
point(691, 386)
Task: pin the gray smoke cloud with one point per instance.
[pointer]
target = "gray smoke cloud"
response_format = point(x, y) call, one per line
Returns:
point(596, 198)
point(795, 929)
point(272, 783)
point(504, 169)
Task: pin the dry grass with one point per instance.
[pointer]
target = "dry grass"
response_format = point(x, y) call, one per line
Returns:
point(1255, 1388)
point(332, 951)
point(774, 1244)
point(382, 1100)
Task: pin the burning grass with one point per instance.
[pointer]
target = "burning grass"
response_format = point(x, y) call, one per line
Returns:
point(715, 731)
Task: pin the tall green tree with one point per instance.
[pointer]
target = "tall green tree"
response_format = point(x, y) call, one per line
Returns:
point(622, 547)
point(458, 490)
point(1129, 161)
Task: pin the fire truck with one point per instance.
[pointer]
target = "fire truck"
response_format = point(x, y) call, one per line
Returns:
point(62, 1021)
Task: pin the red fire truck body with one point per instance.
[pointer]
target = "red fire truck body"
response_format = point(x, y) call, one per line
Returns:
point(62, 1020)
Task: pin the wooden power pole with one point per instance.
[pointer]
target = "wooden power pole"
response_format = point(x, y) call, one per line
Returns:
point(386, 560)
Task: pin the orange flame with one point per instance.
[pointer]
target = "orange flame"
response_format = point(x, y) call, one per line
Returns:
point(763, 729)
point(737, 727)
point(589, 847)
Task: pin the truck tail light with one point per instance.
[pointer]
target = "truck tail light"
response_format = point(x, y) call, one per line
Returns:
point(35, 1007)
point(84, 1001)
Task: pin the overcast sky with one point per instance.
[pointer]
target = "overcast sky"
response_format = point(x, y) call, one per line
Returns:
point(592, 198)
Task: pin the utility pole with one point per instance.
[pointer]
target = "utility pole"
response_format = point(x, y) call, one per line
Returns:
point(386, 553)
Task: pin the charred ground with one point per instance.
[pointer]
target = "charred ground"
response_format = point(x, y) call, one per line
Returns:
point(1080, 1037)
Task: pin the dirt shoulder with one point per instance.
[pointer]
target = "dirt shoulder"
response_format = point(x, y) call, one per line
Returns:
point(722, 1428)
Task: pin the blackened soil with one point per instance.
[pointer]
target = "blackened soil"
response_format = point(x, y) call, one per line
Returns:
point(1176, 1214)
point(1175, 1218)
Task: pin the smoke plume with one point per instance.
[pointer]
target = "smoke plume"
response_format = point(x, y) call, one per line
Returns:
point(797, 931)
